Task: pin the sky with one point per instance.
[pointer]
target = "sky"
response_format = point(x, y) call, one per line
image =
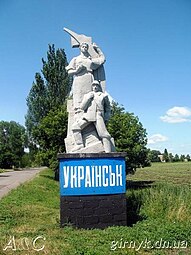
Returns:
point(147, 44)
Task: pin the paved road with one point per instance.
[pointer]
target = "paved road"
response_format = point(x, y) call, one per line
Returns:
point(12, 179)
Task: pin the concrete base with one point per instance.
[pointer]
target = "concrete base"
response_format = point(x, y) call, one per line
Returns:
point(93, 211)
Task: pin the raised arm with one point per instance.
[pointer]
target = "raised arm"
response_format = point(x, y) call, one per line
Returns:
point(101, 58)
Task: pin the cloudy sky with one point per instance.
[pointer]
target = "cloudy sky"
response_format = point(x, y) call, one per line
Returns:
point(147, 46)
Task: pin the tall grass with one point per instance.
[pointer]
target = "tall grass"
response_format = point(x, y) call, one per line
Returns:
point(167, 201)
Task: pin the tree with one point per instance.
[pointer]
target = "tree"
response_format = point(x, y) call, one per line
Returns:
point(188, 157)
point(50, 134)
point(129, 136)
point(12, 144)
point(57, 81)
point(46, 100)
point(182, 158)
point(165, 156)
point(154, 156)
point(37, 104)
point(176, 158)
point(171, 157)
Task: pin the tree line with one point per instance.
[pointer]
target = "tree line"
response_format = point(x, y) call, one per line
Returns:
point(157, 156)
point(46, 122)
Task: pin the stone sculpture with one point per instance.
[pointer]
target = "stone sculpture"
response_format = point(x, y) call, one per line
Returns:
point(82, 68)
point(96, 109)
point(89, 108)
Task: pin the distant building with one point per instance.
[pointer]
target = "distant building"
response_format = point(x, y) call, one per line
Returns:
point(161, 158)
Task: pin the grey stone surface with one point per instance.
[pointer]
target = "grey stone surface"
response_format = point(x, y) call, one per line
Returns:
point(81, 68)
point(76, 40)
point(92, 155)
point(95, 108)
point(12, 179)
point(89, 108)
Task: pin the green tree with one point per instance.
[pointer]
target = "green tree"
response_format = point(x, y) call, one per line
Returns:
point(37, 104)
point(176, 158)
point(154, 156)
point(129, 136)
point(50, 134)
point(46, 100)
point(188, 157)
point(171, 157)
point(12, 144)
point(165, 156)
point(182, 158)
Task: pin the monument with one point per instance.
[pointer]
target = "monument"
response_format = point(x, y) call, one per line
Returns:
point(92, 173)
point(89, 107)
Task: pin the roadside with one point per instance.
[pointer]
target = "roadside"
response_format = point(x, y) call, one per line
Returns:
point(12, 179)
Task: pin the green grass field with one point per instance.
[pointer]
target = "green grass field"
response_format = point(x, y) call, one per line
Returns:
point(159, 216)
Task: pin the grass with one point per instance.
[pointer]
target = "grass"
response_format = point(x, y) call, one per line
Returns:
point(5, 170)
point(176, 173)
point(159, 211)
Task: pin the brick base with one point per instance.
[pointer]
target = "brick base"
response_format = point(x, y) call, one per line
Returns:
point(97, 211)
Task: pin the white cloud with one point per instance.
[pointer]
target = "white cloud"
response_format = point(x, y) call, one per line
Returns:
point(179, 111)
point(177, 114)
point(171, 119)
point(157, 138)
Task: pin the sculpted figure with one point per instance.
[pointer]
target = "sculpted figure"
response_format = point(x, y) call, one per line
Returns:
point(96, 109)
point(89, 108)
point(82, 67)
